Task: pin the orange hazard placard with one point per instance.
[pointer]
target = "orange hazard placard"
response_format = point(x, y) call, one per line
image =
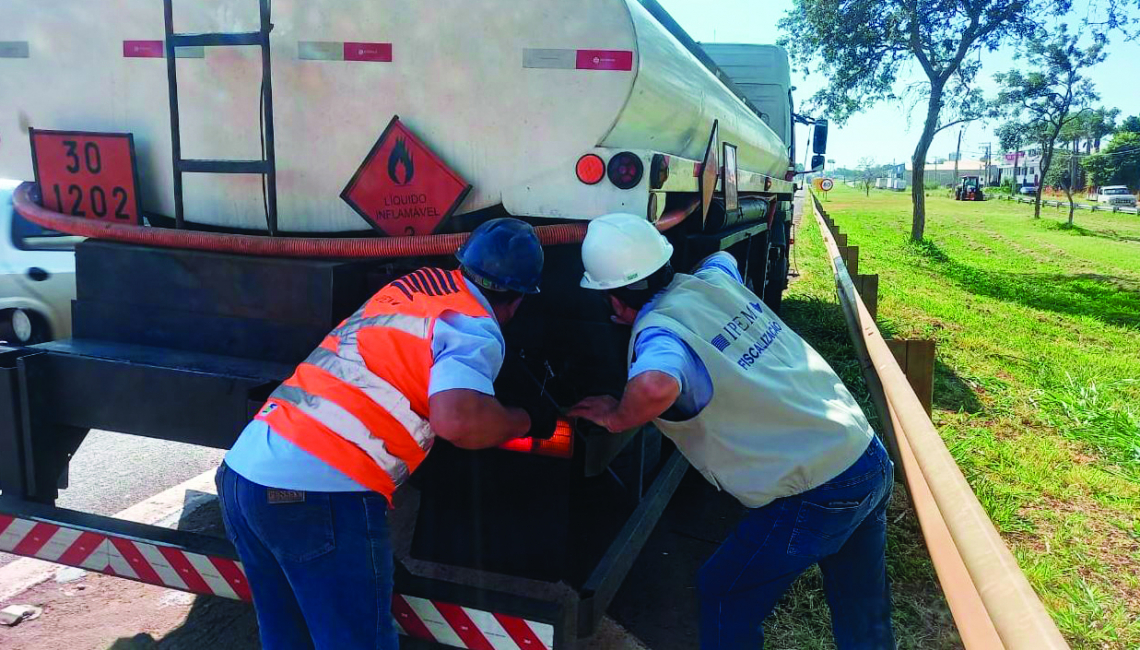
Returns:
point(402, 188)
point(87, 174)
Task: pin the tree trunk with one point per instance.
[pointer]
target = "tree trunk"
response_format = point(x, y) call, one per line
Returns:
point(1072, 207)
point(1042, 169)
point(917, 182)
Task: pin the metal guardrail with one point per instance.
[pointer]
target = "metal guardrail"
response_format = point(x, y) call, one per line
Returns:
point(1064, 204)
point(992, 603)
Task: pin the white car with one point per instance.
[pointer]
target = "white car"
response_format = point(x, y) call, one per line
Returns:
point(37, 277)
point(1117, 195)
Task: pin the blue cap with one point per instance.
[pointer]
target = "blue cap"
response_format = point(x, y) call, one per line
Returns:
point(503, 255)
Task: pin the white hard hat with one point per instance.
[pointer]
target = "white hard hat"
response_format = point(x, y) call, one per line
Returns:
point(621, 249)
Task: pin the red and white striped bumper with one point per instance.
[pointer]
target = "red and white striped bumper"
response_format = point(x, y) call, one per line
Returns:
point(118, 556)
point(464, 627)
point(167, 566)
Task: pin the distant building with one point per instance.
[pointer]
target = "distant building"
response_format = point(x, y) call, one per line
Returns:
point(1024, 167)
point(943, 172)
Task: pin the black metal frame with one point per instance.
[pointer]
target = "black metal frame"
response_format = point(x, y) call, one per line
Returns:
point(267, 166)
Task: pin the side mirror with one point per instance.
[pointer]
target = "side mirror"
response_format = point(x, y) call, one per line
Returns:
point(819, 138)
point(817, 162)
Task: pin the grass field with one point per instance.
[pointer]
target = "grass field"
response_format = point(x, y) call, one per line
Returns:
point(1037, 387)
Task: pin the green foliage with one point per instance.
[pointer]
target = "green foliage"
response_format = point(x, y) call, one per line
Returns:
point(864, 46)
point(1059, 171)
point(1130, 124)
point(932, 185)
point(1052, 95)
point(1091, 125)
point(1118, 163)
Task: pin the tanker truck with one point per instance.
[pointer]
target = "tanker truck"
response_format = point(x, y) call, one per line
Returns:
point(246, 173)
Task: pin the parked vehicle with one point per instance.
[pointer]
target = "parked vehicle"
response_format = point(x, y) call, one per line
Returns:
point(1117, 195)
point(1027, 190)
point(553, 111)
point(37, 277)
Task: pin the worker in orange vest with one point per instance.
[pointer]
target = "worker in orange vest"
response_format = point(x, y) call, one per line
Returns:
point(306, 488)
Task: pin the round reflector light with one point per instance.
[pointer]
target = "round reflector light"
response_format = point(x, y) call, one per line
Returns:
point(625, 170)
point(591, 169)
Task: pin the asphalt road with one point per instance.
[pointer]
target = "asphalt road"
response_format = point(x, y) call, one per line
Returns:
point(113, 471)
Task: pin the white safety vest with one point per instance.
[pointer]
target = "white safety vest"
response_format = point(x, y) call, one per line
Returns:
point(780, 421)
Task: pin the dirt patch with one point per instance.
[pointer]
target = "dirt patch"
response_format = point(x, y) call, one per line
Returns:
point(100, 612)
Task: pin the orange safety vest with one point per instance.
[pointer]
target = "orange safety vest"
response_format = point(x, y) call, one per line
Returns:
point(359, 402)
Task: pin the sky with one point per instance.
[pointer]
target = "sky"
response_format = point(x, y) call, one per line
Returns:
point(886, 132)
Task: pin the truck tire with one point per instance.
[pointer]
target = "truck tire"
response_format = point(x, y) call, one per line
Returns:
point(777, 277)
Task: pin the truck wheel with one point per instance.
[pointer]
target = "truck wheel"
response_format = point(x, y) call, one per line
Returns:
point(777, 278)
point(21, 327)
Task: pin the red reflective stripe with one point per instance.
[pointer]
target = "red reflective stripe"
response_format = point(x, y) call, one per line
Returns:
point(135, 560)
point(144, 49)
point(233, 575)
point(604, 60)
point(462, 624)
point(520, 632)
point(406, 617)
point(81, 549)
point(35, 539)
point(372, 52)
point(185, 570)
point(5, 521)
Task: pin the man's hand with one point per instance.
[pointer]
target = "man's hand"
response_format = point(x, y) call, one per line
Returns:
point(599, 409)
point(646, 397)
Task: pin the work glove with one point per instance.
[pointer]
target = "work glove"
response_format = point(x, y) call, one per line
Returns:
point(515, 386)
point(543, 417)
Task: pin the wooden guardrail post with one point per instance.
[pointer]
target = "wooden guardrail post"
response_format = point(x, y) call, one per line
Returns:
point(916, 358)
point(850, 255)
point(868, 288)
point(840, 239)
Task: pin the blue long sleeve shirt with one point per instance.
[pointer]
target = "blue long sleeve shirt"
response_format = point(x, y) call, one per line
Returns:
point(659, 349)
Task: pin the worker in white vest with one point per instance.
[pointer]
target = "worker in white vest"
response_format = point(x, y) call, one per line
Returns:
point(763, 417)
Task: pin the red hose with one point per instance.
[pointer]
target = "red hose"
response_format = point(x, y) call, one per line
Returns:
point(357, 247)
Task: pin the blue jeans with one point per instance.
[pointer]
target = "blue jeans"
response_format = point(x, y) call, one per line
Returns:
point(319, 564)
point(842, 525)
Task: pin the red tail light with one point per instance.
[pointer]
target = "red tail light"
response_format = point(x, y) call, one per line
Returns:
point(560, 445)
point(591, 169)
point(625, 170)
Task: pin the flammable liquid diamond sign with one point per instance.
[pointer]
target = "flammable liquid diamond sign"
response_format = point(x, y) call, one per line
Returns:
point(402, 188)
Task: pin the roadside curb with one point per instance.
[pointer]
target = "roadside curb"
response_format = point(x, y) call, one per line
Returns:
point(162, 509)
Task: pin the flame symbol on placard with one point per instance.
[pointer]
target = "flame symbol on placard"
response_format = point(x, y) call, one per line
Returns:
point(400, 158)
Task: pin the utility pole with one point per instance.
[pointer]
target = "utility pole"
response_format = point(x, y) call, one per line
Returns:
point(987, 181)
point(957, 155)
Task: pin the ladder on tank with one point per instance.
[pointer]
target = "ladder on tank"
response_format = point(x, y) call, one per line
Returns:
point(267, 165)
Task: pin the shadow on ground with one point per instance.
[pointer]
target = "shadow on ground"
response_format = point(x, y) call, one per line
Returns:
point(214, 623)
point(1102, 234)
point(1113, 300)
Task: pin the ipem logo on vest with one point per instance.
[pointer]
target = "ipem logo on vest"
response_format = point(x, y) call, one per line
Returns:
point(738, 325)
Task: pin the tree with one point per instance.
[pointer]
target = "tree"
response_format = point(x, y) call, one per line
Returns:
point(1130, 124)
point(868, 170)
point(863, 46)
point(1053, 94)
point(1118, 163)
point(1092, 127)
